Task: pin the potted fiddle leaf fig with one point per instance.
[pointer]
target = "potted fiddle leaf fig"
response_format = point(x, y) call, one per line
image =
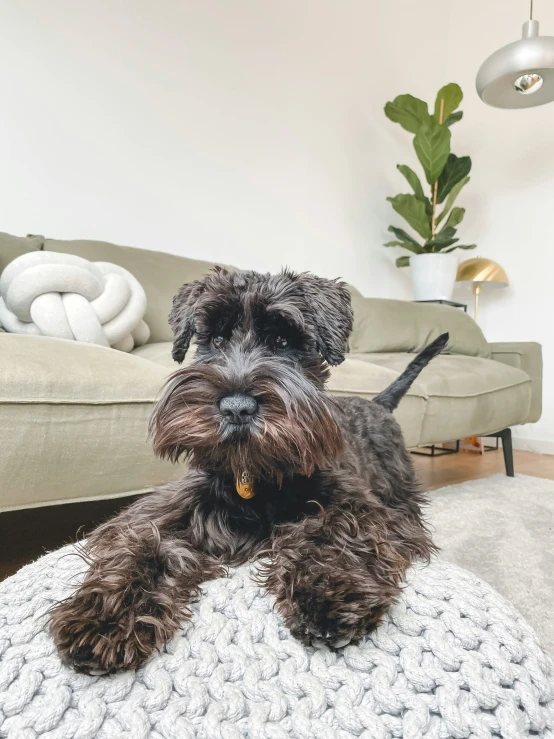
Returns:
point(429, 209)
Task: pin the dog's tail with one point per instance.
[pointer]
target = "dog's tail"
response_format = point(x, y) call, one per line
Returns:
point(391, 397)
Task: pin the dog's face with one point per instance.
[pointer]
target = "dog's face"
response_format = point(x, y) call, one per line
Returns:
point(253, 400)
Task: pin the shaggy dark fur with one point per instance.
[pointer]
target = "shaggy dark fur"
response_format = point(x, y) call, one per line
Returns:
point(337, 510)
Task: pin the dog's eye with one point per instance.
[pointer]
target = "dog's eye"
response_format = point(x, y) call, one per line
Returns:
point(219, 342)
point(280, 342)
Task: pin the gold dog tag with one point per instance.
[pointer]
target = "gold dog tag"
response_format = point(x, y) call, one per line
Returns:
point(245, 486)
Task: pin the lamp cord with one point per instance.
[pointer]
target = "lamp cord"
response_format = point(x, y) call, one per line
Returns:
point(531, 11)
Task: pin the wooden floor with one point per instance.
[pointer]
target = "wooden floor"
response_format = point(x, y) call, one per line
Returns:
point(25, 535)
point(469, 465)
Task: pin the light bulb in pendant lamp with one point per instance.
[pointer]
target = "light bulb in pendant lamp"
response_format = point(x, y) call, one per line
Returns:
point(521, 74)
point(481, 273)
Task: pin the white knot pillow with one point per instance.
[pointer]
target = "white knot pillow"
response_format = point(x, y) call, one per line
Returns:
point(68, 297)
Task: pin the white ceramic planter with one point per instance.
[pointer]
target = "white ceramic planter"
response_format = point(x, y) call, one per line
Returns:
point(433, 275)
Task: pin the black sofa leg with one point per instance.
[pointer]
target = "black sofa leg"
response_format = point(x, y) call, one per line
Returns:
point(506, 437)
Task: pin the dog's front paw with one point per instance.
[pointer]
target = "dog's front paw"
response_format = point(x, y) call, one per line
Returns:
point(94, 642)
point(331, 604)
point(315, 622)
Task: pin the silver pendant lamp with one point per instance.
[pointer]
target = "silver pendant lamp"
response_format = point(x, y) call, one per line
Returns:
point(521, 74)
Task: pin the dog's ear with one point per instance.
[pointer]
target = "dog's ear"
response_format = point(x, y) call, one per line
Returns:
point(181, 317)
point(330, 306)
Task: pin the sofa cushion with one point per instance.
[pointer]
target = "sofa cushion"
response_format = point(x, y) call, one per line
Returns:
point(382, 325)
point(160, 274)
point(75, 418)
point(160, 353)
point(465, 395)
point(352, 377)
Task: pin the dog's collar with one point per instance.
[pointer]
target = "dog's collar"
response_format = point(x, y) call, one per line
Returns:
point(245, 486)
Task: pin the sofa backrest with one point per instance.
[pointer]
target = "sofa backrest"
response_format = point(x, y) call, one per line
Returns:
point(160, 274)
point(382, 325)
point(12, 247)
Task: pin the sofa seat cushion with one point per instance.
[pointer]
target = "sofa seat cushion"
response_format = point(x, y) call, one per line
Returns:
point(160, 353)
point(75, 416)
point(465, 395)
point(352, 377)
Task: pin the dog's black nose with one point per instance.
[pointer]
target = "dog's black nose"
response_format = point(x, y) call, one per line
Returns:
point(238, 408)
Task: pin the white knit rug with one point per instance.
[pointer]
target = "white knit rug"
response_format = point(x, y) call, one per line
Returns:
point(452, 659)
point(502, 529)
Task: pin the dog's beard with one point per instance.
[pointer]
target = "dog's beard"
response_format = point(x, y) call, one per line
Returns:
point(294, 431)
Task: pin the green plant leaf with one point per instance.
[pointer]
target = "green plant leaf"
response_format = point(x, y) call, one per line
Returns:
point(455, 218)
point(403, 262)
point(432, 146)
point(451, 198)
point(454, 118)
point(413, 180)
point(409, 111)
point(440, 238)
point(452, 95)
point(405, 241)
point(410, 245)
point(413, 210)
point(415, 184)
point(403, 236)
point(414, 248)
point(455, 170)
point(460, 246)
point(440, 247)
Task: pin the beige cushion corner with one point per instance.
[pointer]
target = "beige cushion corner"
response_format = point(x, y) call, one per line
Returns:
point(74, 422)
point(382, 325)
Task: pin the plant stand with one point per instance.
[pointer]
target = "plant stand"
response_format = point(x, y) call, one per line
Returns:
point(435, 451)
point(507, 449)
point(451, 303)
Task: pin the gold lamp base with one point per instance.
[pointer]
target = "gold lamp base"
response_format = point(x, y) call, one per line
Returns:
point(476, 292)
point(480, 271)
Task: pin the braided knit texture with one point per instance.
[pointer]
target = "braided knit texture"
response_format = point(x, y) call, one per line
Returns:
point(65, 296)
point(451, 659)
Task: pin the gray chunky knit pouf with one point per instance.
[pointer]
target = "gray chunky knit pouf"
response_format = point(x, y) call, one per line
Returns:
point(452, 659)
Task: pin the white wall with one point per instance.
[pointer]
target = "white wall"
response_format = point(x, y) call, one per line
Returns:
point(252, 132)
point(249, 131)
point(510, 199)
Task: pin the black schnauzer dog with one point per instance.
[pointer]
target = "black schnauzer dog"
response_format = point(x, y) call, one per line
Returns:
point(321, 488)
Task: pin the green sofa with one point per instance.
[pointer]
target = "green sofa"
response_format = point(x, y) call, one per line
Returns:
point(74, 416)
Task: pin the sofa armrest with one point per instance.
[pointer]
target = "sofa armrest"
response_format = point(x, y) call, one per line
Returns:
point(527, 356)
